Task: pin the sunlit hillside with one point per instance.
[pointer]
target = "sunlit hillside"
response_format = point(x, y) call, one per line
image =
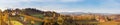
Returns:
point(30, 16)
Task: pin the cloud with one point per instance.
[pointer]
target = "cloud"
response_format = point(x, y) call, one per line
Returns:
point(20, 3)
point(71, 0)
point(64, 5)
point(12, 1)
point(17, 1)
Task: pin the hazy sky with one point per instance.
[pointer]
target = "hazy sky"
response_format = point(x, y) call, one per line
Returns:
point(97, 6)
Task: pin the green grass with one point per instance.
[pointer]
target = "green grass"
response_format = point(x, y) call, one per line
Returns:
point(38, 15)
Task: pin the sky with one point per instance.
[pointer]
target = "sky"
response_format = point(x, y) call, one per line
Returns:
point(94, 6)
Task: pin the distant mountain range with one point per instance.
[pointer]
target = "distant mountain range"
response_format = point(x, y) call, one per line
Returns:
point(79, 13)
point(72, 13)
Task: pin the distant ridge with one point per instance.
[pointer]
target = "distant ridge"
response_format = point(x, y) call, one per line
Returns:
point(79, 13)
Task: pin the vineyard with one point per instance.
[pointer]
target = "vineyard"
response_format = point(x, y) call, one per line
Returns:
point(30, 16)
